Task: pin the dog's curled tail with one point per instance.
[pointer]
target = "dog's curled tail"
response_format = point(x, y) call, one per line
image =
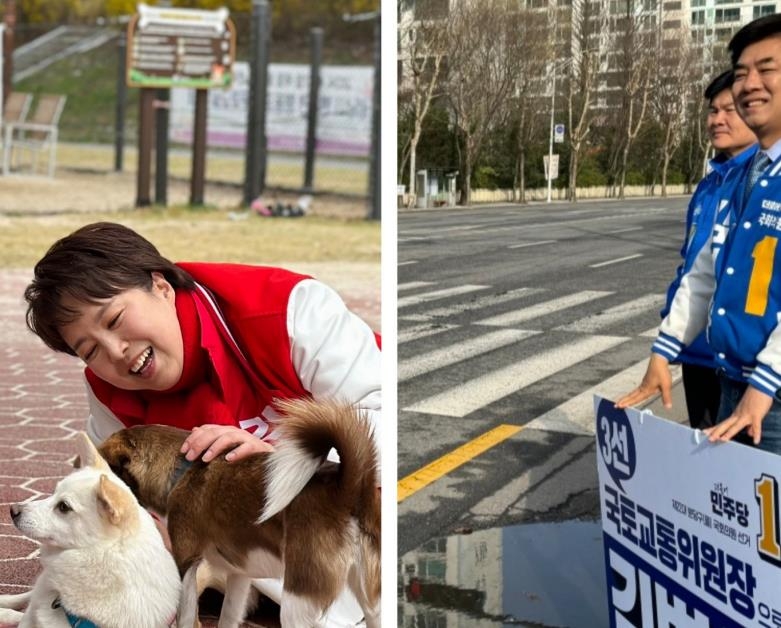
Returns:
point(306, 433)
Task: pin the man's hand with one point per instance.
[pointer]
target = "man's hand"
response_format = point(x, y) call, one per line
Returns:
point(212, 440)
point(749, 413)
point(657, 379)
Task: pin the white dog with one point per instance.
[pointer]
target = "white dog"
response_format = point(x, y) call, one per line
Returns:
point(103, 559)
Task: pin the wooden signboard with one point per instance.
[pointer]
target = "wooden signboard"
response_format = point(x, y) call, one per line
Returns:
point(169, 47)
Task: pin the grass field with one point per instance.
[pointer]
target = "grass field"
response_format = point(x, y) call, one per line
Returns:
point(221, 166)
point(182, 234)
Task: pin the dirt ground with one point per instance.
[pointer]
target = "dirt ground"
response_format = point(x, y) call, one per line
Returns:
point(74, 191)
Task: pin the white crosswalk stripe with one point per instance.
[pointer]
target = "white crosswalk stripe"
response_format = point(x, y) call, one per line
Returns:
point(526, 245)
point(401, 240)
point(575, 338)
point(429, 231)
point(477, 304)
point(488, 388)
point(624, 230)
point(618, 260)
point(444, 293)
point(452, 354)
point(616, 314)
point(413, 285)
point(417, 332)
point(650, 333)
point(543, 309)
point(576, 415)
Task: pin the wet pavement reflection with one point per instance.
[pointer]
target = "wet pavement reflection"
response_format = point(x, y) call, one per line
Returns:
point(538, 574)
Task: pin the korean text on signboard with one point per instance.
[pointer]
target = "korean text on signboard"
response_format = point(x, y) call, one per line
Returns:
point(690, 528)
point(180, 48)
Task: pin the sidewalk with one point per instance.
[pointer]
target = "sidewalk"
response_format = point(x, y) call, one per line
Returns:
point(43, 406)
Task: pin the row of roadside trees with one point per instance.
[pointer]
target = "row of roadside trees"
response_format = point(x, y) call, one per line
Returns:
point(477, 82)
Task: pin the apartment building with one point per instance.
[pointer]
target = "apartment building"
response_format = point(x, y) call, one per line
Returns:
point(708, 23)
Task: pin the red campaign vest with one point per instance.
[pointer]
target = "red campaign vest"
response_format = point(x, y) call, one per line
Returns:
point(245, 310)
point(253, 301)
point(249, 305)
point(259, 314)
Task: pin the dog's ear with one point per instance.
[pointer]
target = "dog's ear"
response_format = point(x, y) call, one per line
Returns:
point(88, 453)
point(115, 504)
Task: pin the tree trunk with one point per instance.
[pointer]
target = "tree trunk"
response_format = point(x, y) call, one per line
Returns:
point(572, 193)
point(625, 151)
point(413, 180)
point(467, 191)
point(522, 178)
point(403, 161)
point(624, 161)
point(520, 162)
point(612, 172)
point(665, 164)
point(668, 151)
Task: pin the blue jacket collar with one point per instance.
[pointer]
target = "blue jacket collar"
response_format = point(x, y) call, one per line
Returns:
point(722, 166)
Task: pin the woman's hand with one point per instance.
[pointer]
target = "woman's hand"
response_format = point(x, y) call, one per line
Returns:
point(749, 413)
point(657, 379)
point(209, 441)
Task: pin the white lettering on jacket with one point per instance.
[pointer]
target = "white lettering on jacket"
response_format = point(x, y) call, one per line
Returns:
point(771, 205)
point(256, 426)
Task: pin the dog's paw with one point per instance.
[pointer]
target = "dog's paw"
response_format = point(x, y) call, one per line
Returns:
point(9, 617)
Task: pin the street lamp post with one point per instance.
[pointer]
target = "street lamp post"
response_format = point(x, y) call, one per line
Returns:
point(550, 143)
point(556, 65)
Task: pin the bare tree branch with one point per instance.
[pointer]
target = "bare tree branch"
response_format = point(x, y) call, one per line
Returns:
point(481, 40)
point(421, 52)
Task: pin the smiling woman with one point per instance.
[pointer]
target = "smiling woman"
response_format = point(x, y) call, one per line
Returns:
point(202, 346)
point(98, 333)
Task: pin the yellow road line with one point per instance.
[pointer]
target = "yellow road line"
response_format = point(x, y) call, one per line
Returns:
point(447, 463)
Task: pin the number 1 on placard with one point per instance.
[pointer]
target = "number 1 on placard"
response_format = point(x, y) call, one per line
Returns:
point(766, 491)
point(761, 273)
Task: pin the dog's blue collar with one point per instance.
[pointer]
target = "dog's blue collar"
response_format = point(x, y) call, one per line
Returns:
point(79, 622)
point(75, 622)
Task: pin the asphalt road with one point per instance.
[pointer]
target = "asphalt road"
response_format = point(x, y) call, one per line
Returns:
point(514, 316)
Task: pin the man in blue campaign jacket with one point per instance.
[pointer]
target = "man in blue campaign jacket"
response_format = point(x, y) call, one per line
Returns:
point(734, 143)
point(734, 285)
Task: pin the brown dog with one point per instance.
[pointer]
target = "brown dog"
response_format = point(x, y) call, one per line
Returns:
point(269, 515)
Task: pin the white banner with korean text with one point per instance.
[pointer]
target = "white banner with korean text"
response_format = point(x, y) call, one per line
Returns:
point(690, 528)
point(343, 118)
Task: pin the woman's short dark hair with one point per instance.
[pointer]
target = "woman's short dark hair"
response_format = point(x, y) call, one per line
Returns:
point(95, 262)
point(751, 33)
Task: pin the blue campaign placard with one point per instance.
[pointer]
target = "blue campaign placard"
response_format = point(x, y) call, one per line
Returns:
point(692, 529)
